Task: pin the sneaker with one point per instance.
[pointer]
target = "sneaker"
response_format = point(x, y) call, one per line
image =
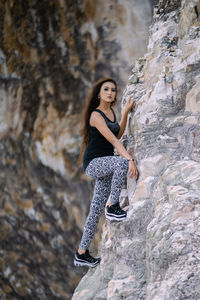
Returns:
point(114, 212)
point(86, 259)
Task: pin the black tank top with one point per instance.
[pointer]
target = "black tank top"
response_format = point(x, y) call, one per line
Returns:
point(98, 145)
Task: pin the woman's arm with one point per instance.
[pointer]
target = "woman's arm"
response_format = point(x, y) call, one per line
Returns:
point(127, 108)
point(98, 121)
point(122, 124)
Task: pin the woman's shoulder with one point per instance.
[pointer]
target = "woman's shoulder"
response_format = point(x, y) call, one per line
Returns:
point(96, 117)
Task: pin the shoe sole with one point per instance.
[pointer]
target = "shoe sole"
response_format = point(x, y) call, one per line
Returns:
point(85, 264)
point(114, 218)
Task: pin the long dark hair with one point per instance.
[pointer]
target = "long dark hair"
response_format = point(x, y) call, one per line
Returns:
point(92, 103)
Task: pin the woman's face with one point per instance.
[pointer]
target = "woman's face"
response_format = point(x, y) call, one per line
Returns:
point(108, 92)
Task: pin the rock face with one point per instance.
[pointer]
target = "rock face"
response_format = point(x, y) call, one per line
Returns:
point(51, 52)
point(154, 254)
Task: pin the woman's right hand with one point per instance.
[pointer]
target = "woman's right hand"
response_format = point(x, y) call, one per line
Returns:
point(132, 170)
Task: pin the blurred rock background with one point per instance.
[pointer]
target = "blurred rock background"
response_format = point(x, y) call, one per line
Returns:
point(155, 254)
point(51, 53)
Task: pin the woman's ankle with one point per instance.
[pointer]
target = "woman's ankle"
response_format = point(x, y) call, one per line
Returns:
point(81, 251)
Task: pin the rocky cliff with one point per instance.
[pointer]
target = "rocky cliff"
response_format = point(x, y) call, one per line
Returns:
point(154, 254)
point(51, 52)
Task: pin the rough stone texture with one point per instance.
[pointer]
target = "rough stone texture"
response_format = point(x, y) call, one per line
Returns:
point(154, 254)
point(51, 52)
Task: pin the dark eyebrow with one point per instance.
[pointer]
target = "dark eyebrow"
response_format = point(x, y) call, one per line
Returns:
point(111, 87)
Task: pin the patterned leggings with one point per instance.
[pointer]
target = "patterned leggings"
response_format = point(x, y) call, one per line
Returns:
point(109, 172)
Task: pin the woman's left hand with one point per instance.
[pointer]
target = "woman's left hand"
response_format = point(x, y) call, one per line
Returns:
point(129, 104)
point(132, 170)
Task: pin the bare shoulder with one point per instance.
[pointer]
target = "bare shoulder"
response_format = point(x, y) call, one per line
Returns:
point(96, 118)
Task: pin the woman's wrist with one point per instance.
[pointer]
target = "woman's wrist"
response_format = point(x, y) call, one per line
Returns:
point(126, 113)
point(131, 159)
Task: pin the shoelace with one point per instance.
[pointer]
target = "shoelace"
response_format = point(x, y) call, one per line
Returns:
point(89, 257)
point(118, 209)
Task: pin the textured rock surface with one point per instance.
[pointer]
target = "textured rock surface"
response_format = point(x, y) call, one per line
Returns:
point(50, 54)
point(154, 254)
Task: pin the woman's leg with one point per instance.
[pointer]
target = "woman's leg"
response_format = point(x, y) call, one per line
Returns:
point(109, 172)
point(115, 166)
point(101, 194)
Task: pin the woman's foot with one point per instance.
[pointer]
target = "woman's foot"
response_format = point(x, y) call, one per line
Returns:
point(86, 259)
point(114, 212)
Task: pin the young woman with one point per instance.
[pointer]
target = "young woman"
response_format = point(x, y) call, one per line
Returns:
point(101, 133)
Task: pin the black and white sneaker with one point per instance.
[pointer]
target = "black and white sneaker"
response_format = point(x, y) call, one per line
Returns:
point(114, 212)
point(86, 260)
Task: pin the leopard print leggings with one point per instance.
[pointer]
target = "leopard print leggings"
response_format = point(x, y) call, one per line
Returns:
point(109, 172)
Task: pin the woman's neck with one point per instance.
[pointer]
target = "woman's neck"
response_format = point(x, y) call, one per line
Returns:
point(104, 106)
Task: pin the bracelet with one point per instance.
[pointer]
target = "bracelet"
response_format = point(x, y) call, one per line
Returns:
point(132, 159)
